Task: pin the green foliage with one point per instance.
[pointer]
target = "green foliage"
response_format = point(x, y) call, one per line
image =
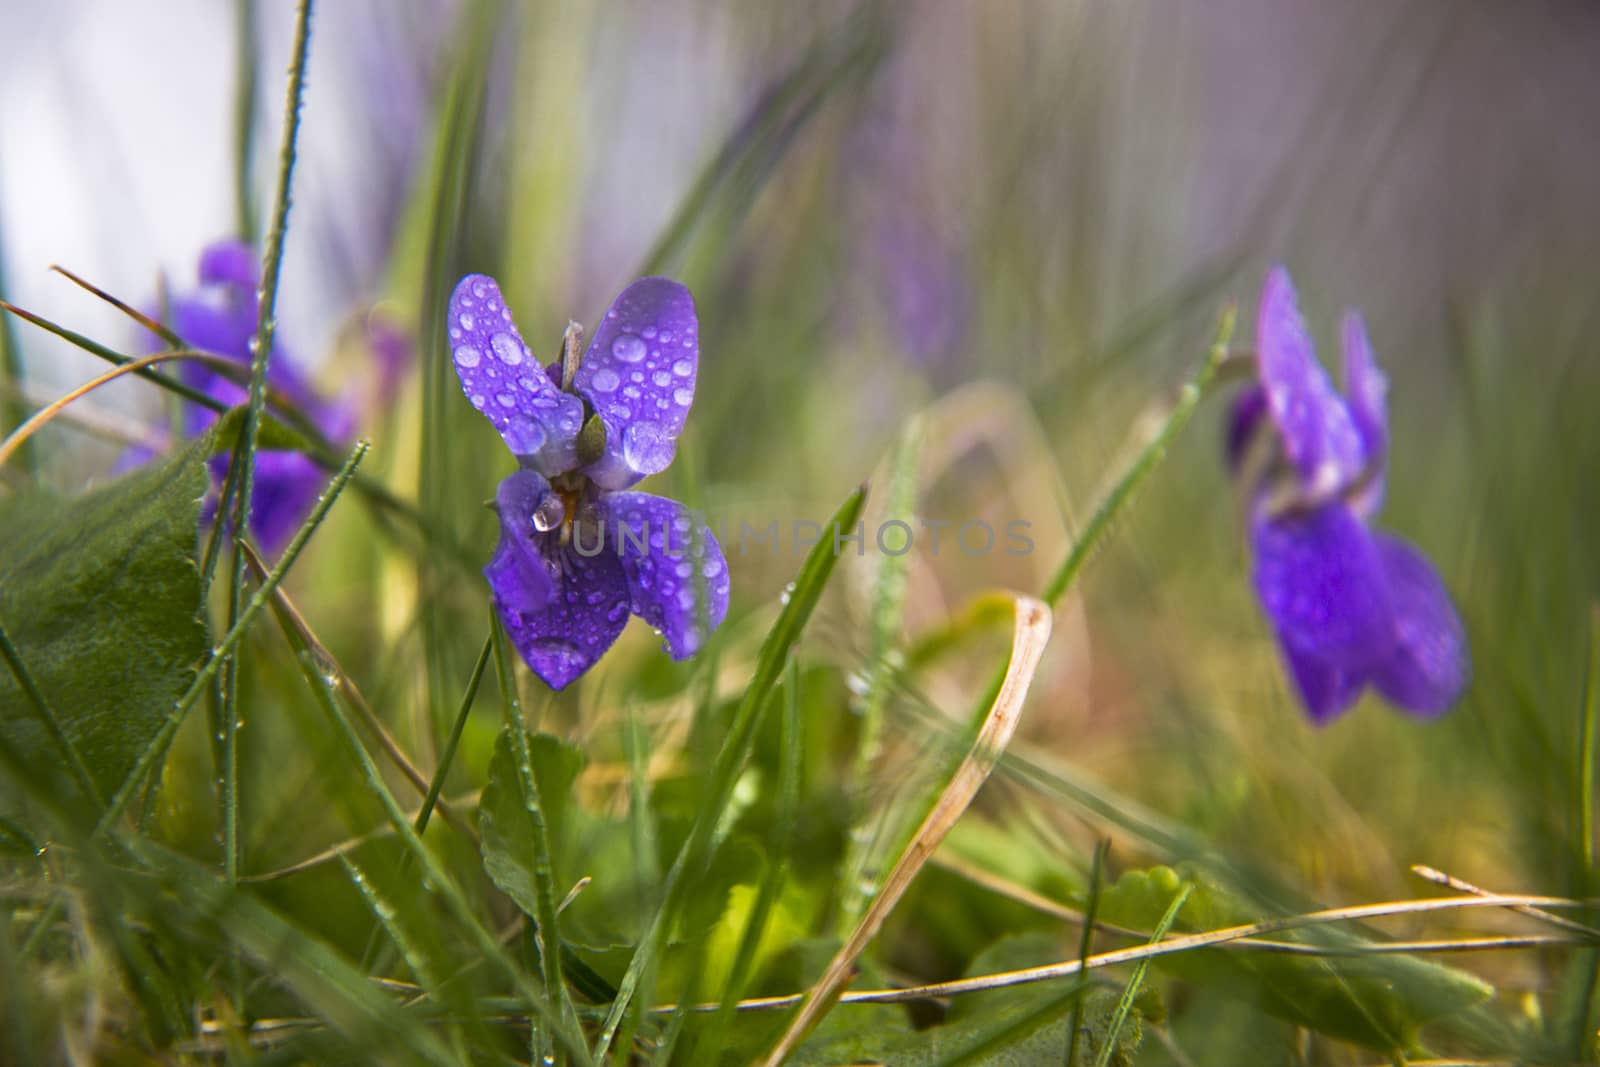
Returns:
point(101, 595)
point(503, 817)
point(1381, 1001)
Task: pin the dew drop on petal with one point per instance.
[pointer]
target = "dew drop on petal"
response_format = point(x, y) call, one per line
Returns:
point(684, 397)
point(506, 347)
point(605, 380)
point(683, 368)
point(468, 321)
point(686, 598)
point(661, 378)
point(467, 356)
point(649, 332)
point(506, 400)
point(711, 568)
point(684, 569)
point(628, 348)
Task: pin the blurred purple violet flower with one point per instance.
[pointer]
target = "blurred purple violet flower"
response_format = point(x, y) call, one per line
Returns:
point(1349, 605)
point(578, 551)
point(220, 317)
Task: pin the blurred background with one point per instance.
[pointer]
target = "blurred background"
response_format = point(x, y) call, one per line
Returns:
point(878, 206)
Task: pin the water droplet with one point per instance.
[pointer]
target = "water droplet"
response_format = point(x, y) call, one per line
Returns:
point(684, 397)
point(711, 568)
point(637, 376)
point(618, 610)
point(595, 597)
point(468, 321)
point(683, 368)
point(506, 347)
point(661, 378)
point(467, 356)
point(686, 598)
point(479, 288)
point(628, 348)
point(507, 400)
point(556, 652)
point(548, 515)
point(666, 337)
point(631, 392)
point(605, 380)
point(477, 400)
point(649, 332)
point(788, 591)
point(684, 569)
point(455, 334)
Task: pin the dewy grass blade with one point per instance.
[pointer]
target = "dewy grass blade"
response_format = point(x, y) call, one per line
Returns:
point(246, 88)
point(447, 756)
point(1029, 636)
point(695, 853)
point(1119, 1017)
point(157, 747)
point(1147, 460)
point(547, 935)
point(1086, 940)
point(48, 718)
point(455, 899)
point(888, 601)
point(243, 471)
point(455, 160)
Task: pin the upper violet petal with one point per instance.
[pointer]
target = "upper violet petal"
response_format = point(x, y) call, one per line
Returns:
point(537, 421)
point(1429, 667)
point(638, 374)
point(561, 609)
point(1325, 689)
point(1367, 393)
point(677, 575)
point(1318, 434)
point(1320, 580)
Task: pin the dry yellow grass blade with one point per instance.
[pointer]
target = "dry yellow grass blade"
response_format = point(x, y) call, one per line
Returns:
point(1032, 631)
point(50, 411)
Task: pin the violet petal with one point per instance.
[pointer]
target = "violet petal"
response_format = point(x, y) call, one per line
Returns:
point(1429, 667)
point(1320, 581)
point(1366, 391)
point(638, 374)
point(672, 561)
point(499, 375)
point(562, 610)
point(1318, 434)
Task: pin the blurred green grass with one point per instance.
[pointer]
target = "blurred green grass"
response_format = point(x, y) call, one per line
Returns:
point(1084, 292)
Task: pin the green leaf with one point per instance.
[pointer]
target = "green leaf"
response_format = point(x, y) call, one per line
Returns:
point(101, 595)
point(508, 844)
point(1380, 1001)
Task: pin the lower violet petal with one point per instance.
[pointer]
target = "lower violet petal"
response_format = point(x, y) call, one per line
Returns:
point(1320, 580)
point(677, 576)
point(1325, 690)
point(1429, 667)
point(561, 609)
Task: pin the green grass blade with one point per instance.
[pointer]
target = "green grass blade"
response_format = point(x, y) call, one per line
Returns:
point(246, 89)
point(454, 738)
point(1119, 1018)
point(548, 931)
point(696, 851)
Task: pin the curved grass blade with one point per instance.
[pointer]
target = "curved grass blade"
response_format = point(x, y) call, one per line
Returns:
point(1031, 633)
point(696, 851)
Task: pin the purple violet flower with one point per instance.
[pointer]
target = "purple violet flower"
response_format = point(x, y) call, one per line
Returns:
point(578, 550)
point(1349, 605)
point(220, 317)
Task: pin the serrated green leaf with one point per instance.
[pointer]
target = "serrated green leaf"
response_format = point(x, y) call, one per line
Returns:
point(1380, 1001)
point(101, 595)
